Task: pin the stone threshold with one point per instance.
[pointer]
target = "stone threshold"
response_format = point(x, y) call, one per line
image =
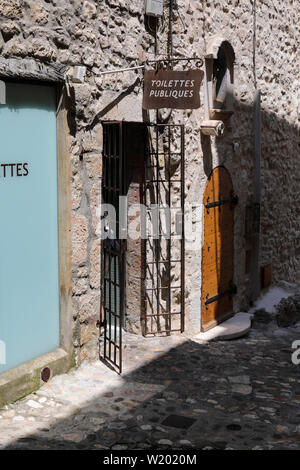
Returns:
point(26, 378)
point(236, 327)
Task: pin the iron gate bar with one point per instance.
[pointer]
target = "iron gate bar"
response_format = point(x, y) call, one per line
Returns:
point(157, 248)
point(163, 262)
point(154, 183)
point(182, 230)
point(113, 274)
point(167, 287)
point(169, 239)
point(162, 315)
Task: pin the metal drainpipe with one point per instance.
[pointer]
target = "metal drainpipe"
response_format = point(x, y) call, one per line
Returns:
point(170, 48)
point(255, 274)
point(256, 196)
point(160, 116)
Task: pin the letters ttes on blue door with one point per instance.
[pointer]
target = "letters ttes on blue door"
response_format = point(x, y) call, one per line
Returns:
point(29, 271)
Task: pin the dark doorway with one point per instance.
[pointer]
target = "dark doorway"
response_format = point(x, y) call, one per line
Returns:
point(122, 175)
point(142, 278)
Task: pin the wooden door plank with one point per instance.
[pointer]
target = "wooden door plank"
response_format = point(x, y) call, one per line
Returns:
point(217, 249)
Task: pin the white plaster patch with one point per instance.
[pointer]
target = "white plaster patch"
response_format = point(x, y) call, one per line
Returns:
point(270, 299)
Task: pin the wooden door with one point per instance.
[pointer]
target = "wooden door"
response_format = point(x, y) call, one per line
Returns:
point(217, 251)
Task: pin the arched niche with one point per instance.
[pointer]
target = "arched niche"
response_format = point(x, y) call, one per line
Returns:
point(219, 79)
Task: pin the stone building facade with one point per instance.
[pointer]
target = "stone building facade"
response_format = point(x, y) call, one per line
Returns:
point(109, 35)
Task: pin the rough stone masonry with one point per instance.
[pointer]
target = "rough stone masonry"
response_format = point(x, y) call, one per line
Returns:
point(112, 34)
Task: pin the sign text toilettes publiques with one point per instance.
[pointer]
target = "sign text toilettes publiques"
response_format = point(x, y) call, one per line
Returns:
point(172, 89)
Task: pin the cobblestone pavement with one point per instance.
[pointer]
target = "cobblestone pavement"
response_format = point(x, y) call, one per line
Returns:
point(174, 393)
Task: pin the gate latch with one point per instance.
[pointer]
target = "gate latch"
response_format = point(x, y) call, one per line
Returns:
point(232, 200)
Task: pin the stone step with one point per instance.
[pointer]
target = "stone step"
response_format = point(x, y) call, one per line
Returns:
point(236, 327)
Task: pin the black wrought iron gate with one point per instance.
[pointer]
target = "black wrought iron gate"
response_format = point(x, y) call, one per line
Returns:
point(163, 236)
point(113, 265)
point(163, 248)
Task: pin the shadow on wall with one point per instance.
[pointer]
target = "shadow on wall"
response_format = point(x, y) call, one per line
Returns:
point(101, 114)
point(280, 174)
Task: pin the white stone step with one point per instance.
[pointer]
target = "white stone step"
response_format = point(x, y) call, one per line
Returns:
point(237, 326)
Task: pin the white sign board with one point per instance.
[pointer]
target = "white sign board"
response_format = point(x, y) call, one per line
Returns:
point(154, 7)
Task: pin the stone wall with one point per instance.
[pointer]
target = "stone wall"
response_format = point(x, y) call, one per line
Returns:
point(112, 34)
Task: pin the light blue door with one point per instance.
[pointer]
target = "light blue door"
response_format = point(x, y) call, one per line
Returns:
point(29, 274)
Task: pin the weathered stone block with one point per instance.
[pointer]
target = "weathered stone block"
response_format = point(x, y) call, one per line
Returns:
point(89, 306)
point(42, 49)
point(10, 29)
point(93, 163)
point(38, 12)
point(89, 10)
point(80, 286)
point(77, 191)
point(11, 8)
point(17, 47)
point(79, 239)
point(89, 332)
point(95, 264)
point(288, 311)
point(95, 198)
point(82, 271)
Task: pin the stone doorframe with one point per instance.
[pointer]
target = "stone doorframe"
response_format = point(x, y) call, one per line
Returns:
point(18, 382)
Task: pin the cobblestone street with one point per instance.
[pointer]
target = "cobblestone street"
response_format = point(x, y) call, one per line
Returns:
point(174, 393)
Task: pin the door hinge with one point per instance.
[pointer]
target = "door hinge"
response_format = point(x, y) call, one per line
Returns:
point(231, 291)
point(232, 200)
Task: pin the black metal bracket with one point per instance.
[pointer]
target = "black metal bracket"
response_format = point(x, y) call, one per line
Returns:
point(232, 200)
point(231, 291)
point(164, 63)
